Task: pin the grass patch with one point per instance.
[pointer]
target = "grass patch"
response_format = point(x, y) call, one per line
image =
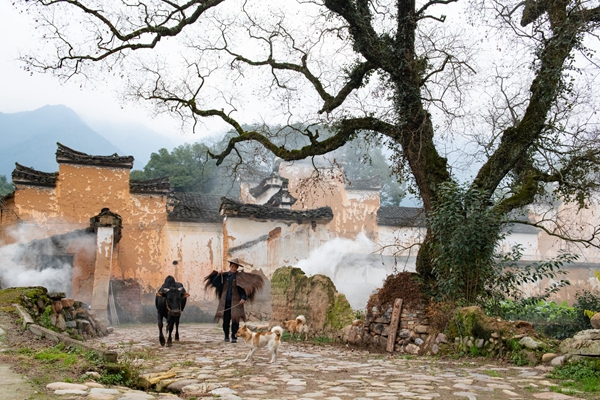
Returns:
point(582, 375)
point(321, 340)
point(492, 373)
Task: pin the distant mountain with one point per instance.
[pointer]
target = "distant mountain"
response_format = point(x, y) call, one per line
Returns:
point(30, 137)
point(135, 139)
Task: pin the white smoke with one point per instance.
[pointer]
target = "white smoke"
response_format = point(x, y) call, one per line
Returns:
point(351, 265)
point(20, 267)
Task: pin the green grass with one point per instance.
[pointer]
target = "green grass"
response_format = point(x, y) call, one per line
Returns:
point(582, 375)
point(56, 355)
point(492, 373)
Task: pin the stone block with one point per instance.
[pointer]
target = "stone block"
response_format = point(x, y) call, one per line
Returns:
point(56, 295)
point(580, 347)
point(530, 343)
point(412, 349)
point(588, 334)
point(66, 303)
point(57, 306)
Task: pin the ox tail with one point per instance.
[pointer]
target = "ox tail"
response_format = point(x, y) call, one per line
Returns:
point(300, 319)
point(277, 330)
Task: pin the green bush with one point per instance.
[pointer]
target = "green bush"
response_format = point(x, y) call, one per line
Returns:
point(467, 268)
point(586, 300)
point(558, 321)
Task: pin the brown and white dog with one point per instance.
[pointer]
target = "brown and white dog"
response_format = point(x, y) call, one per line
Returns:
point(257, 340)
point(295, 325)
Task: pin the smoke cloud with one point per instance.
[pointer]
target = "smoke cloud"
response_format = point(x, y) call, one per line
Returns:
point(352, 266)
point(32, 261)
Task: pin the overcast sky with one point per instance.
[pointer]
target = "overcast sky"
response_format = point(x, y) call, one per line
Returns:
point(21, 91)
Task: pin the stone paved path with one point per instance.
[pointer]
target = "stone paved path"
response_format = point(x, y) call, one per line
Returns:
point(203, 365)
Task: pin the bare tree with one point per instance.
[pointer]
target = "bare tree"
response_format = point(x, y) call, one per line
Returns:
point(395, 69)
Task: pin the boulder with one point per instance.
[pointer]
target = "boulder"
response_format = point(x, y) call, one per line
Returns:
point(595, 321)
point(293, 294)
point(581, 347)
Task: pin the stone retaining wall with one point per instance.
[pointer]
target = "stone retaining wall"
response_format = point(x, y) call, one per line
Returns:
point(413, 334)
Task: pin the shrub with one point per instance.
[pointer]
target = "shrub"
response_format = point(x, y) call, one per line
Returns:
point(557, 321)
point(586, 300)
point(467, 268)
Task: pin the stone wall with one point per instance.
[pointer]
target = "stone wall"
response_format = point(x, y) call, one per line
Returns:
point(413, 334)
point(293, 294)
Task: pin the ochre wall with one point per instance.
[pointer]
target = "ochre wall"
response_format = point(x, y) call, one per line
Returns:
point(353, 210)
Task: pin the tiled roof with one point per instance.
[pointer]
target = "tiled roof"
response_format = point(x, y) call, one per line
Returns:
point(273, 180)
point(65, 155)
point(401, 216)
point(194, 207)
point(231, 208)
point(29, 176)
point(157, 185)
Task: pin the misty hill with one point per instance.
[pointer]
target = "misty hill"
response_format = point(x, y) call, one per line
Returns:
point(134, 139)
point(30, 137)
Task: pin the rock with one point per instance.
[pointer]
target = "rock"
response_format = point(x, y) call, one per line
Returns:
point(441, 338)
point(403, 333)
point(178, 385)
point(435, 349)
point(581, 347)
point(589, 334)
point(200, 388)
point(546, 358)
point(558, 361)
point(65, 386)
point(56, 295)
point(421, 328)
point(66, 303)
point(595, 321)
point(60, 322)
point(530, 343)
point(412, 349)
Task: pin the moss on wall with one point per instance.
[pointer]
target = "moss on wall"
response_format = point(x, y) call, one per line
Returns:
point(293, 294)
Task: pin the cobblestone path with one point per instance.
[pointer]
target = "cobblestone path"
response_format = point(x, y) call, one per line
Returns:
point(203, 365)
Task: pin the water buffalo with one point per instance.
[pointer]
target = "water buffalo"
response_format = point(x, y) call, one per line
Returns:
point(170, 301)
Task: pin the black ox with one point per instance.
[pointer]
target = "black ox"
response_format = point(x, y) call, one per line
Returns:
point(170, 302)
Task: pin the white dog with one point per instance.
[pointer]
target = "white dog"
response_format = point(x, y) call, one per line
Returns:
point(257, 340)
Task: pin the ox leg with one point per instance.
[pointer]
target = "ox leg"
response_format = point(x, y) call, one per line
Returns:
point(169, 331)
point(177, 330)
point(161, 338)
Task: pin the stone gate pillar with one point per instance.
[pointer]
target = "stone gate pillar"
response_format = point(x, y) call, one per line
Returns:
point(107, 226)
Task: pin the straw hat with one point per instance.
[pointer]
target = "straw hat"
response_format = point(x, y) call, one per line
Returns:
point(236, 261)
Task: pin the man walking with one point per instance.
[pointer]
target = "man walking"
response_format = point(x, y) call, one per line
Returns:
point(233, 288)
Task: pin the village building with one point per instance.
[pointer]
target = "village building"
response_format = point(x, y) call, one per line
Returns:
point(110, 241)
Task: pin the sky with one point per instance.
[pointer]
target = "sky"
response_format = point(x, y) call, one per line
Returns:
point(21, 91)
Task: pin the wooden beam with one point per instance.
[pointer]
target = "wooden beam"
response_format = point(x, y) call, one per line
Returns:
point(396, 311)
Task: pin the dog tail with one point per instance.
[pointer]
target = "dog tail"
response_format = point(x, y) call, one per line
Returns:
point(300, 319)
point(277, 330)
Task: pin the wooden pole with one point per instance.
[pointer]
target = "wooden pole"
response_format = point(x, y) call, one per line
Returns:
point(396, 311)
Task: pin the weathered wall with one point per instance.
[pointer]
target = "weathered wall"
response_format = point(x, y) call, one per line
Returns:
point(268, 245)
point(198, 250)
point(578, 223)
point(353, 210)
